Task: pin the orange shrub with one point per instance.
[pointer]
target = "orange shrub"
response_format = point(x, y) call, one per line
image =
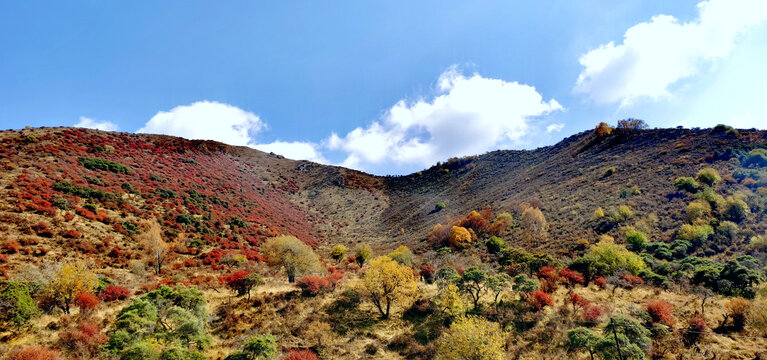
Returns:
point(34, 353)
point(301, 355)
point(737, 310)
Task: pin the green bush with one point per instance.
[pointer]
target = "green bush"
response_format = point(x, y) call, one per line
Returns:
point(16, 305)
point(495, 244)
point(609, 171)
point(708, 176)
point(756, 157)
point(636, 239)
point(165, 193)
point(261, 347)
point(86, 193)
point(687, 184)
point(632, 191)
point(440, 206)
point(735, 210)
point(101, 164)
point(696, 235)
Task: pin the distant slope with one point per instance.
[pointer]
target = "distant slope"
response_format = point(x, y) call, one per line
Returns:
point(234, 197)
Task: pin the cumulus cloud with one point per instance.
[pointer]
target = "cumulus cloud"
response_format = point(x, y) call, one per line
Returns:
point(296, 150)
point(207, 120)
point(555, 128)
point(95, 124)
point(210, 120)
point(470, 115)
point(656, 55)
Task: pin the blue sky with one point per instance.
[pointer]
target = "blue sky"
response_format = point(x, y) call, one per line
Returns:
point(388, 87)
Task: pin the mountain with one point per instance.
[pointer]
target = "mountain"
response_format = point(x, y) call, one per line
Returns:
point(198, 187)
point(71, 195)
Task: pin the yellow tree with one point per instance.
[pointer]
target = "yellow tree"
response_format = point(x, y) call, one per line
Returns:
point(460, 237)
point(292, 254)
point(157, 249)
point(387, 282)
point(66, 282)
point(471, 337)
point(449, 300)
point(534, 224)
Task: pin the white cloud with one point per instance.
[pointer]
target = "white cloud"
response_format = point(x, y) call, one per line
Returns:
point(295, 150)
point(207, 120)
point(94, 124)
point(555, 128)
point(470, 115)
point(655, 55)
point(210, 120)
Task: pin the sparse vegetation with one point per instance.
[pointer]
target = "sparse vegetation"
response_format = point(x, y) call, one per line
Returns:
point(565, 264)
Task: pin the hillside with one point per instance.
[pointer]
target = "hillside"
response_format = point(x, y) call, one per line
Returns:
point(70, 195)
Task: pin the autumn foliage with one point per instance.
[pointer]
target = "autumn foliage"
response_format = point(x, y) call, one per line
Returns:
point(34, 353)
point(660, 312)
point(114, 292)
point(301, 355)
point(539, 299)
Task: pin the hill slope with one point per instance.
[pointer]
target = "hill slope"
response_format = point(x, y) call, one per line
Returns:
point(202, 188)
point(84, 199)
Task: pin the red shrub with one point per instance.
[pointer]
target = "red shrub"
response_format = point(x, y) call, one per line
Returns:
point(42, 230)
point(334, 278)
point(427, 273)
point(592, 313)
point(660, 312)
point(34, 353)
point(312, 285)
point(69, 216)
point(601, 281)
point(238, 281)
point(549, 278)
point(114, 292)
point(83, 340)
point(540, 299)
point(579, 302)
point(301, 355)
point(695, 330)
point(11, 246)
point(632, 280)
point(3, 258)
point(86, 300)
point(570, 277)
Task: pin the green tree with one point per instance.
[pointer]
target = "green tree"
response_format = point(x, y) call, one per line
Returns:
point(497, 284)
point(583, 338)
point(473, 282)
point(16, 305)
point(291, 254)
